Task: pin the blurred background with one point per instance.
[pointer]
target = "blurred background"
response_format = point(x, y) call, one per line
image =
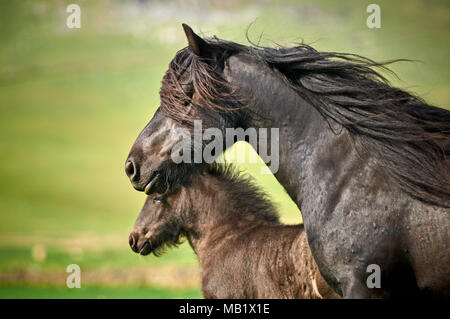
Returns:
point(72, 102)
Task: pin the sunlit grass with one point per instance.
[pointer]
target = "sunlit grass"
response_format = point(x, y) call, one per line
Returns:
point(127, 292)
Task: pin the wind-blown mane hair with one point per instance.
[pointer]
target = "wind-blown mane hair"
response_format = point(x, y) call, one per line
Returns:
point(248, 196)
point(410, 138)
point(214, 94)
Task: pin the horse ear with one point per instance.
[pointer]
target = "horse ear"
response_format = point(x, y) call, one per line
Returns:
point(196, 43)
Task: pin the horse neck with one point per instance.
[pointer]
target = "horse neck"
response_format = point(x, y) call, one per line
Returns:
point(306, 142)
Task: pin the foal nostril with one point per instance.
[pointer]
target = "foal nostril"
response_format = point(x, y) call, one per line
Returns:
point(130, 169)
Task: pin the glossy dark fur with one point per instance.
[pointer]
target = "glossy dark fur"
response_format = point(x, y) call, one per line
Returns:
point(368, 164)
point(244, 251)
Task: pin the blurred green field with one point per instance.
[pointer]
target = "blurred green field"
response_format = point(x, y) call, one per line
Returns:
point(126, 292)
point(72, 101)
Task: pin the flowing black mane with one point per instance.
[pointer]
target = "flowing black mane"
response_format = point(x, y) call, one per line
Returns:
point(249, 197)
point(410, 138)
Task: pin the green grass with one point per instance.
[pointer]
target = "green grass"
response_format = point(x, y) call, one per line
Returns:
point(47, 292)
point(72, 103)
point(122, 257)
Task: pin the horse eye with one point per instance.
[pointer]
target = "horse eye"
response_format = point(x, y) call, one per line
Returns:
point(188, 89)
point(157, 199)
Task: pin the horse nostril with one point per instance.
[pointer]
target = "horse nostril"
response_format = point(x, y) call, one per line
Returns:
point(130, 169)
point(132, 242)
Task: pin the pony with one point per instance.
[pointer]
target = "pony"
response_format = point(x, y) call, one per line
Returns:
point(367, 163)
point(243, 249)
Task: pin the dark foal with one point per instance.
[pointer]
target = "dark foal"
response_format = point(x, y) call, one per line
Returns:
point(243, 249)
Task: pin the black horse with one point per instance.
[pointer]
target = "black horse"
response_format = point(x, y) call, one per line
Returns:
point(368, 164)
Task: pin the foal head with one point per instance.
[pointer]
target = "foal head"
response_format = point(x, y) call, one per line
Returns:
point(217, 196)
point(160, 223)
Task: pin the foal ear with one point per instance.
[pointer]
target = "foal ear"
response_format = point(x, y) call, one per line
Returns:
point(199, 46)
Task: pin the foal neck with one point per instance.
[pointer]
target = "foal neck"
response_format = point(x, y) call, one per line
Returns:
point(221, 200)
